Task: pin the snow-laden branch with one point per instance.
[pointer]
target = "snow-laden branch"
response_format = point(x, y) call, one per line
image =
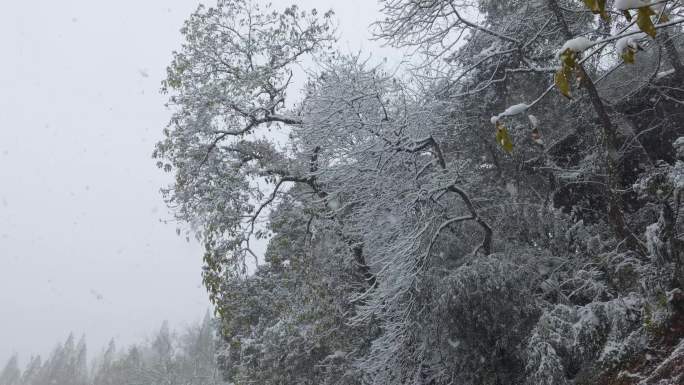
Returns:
point(578, 45)
point(481, 28)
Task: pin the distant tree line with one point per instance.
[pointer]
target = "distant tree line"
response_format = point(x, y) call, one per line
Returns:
point(167, 359)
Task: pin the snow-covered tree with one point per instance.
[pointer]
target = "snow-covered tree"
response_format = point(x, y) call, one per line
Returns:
point(11, 374)
point(188, 358)
point(504, 211)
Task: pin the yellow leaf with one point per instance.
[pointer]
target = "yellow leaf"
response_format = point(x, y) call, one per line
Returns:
point(568, 58)
point(503, 139)
point(591, 4)
point(644, 21)
point(562, 81)
point(597, 7)
point(602, 9)
point(601, 6)
point(628, 56)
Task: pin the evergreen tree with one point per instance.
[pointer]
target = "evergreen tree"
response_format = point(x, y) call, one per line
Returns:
point(11, 374)
point(32, 372)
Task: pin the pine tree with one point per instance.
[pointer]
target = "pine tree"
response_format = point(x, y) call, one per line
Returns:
point(11, 374)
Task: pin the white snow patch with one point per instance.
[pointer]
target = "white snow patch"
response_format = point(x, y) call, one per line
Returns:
point(631, 42)
point(454, 344)
point(392, 219)
point(624, 5)
point(533, 121)
point(338, 354)
point(662, 74)
point(510, 111)
point(515, 110)
point(577, 44)
point(653, 242)
point(512, 189)
point(588, 317)
point(679, 142)
point(677, 173)
point(333, 204)
point(610, 350)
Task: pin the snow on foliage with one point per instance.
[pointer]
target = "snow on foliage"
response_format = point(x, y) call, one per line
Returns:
point(515, 109)
point(623, 5)
point(577, 44)
point(167, 359)
point(629, 42)
point(401, 230)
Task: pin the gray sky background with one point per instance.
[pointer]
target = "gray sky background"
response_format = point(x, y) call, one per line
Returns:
point(82, 247)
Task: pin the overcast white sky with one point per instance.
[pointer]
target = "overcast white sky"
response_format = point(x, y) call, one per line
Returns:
point(82, 247)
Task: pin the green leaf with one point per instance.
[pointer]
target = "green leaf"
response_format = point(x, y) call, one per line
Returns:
point(503, 139)
point(644, 21)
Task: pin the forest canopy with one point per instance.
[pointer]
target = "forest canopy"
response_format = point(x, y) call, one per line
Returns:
point(505, 209)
